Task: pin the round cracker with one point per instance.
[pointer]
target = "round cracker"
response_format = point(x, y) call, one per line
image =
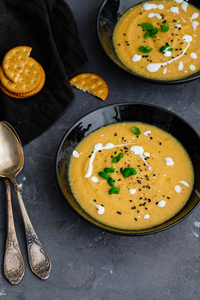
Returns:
point(28, 79)
point(14, 62)
point(26, 95)
point(91, 83)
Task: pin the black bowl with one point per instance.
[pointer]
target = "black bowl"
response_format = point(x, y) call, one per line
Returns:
point(109, 13)
point(129, 112)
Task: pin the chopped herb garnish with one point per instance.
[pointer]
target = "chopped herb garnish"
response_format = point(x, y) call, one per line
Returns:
point(165, 27)
point(150, 30)
point(153, 32)
point(104, 175)
point(145, 49)
point(114, 190)
point(166, 47)
point(110, 181)
point(109, 170)
point(147, 34)
point(128, 172)
point(146, 26)
point(136, 130)
point(117, 158)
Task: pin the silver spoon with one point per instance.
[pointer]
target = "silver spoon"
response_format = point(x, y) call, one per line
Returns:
point(13, 261)
point(11, 163)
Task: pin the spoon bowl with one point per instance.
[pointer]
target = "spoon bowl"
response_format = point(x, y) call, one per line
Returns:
point(11, 153)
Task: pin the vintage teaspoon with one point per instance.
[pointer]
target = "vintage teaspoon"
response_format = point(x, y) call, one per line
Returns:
point(11, 165)
point(13, 261)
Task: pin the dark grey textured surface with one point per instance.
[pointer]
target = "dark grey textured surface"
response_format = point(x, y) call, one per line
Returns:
point(89, 264)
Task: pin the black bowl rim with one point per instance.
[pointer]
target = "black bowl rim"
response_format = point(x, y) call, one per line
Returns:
point(112, 229)
point(183, 80)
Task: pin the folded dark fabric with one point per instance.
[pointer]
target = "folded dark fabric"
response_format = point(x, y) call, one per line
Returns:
point(49, 27)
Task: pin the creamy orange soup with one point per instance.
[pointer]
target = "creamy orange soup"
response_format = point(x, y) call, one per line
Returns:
point(131, 175)
point(159, 39)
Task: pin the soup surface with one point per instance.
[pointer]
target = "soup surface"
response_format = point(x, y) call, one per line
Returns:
point(159, 39)
point(131, 175)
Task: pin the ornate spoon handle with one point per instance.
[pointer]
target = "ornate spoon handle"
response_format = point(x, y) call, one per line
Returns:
point(13, 261)
point(38, 259)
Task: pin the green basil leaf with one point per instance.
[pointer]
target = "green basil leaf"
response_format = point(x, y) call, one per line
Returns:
point(136, 130)
point(147, 34)
point(145, 49)
point(127, 172)
point(110, 181)
point(120, 155)
point(114, 190)
point(165, 27)
point(153, 32)
point(109, 170)
point(163, 48)
point(146, 26)
point(117, 158)
point(104, 175)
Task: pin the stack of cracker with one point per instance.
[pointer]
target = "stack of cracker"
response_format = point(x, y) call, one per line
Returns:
point(21, 76)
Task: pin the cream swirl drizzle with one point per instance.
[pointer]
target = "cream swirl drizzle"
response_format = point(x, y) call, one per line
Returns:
point(99, 147)
point(100, 208)
point(139, 151)
point(152, 15)
point(149, 6)
point(154, 67)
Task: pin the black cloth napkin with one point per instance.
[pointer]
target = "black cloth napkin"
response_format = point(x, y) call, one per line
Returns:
point(49, 27)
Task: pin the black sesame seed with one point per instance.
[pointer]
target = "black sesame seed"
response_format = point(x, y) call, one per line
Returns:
point(119, 212)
